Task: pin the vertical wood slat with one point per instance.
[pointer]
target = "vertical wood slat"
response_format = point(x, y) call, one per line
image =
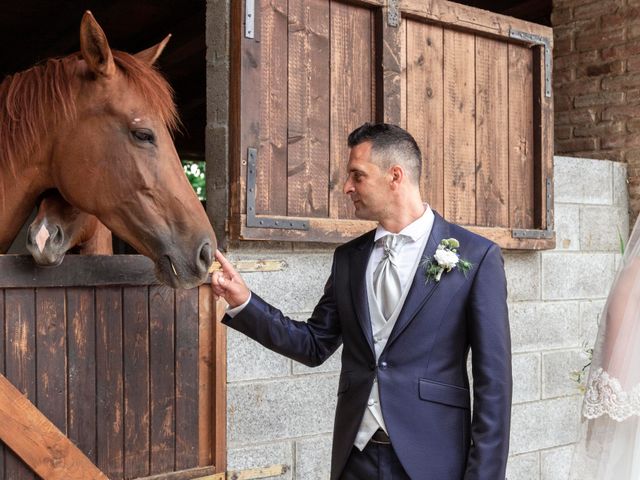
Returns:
point(308, 108)
point(521, 146)
point(81, 335)
point(425, 115)
point(206, 362)
point(110, 381)
point(51, 355)
point(186, 379)
point(492, 144)
point(459, 127)
point(272, 152)
point(404, 57)
point(136, 381)
point(162, 378)
point(20, 360)
point(219, 384)
point(351, 92)
point(3, 329)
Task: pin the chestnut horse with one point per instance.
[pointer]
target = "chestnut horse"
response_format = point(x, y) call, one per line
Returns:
point(60, 227)
point(96, 126)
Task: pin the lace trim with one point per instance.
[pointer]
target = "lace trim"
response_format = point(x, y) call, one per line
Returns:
point(605, 395)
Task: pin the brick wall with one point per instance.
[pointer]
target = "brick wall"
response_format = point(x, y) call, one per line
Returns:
point(597, 83)
point(280, 412)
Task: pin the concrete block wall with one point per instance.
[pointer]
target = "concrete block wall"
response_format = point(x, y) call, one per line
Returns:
point(280, 412)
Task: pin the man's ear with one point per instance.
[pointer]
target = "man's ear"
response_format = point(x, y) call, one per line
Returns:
point(397, 175)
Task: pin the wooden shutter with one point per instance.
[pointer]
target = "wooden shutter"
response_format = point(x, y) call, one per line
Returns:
point(471, 86)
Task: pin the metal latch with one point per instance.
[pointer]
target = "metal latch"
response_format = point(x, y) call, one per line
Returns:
point(538, 40)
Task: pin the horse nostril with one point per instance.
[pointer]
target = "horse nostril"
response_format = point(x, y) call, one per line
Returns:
point(205, 256)
point(57, 237)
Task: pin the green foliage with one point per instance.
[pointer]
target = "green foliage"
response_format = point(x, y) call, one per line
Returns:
point(195, 171)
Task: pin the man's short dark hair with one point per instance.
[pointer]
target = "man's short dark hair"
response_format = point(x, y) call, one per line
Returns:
point(390, 145)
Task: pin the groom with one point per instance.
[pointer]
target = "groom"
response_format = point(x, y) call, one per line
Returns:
point(407, 300)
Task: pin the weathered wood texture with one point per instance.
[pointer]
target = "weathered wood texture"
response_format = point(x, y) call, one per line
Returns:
point(471, 95)
point(130, 374)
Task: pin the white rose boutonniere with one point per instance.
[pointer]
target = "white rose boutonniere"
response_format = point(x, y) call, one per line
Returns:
point(445, 259)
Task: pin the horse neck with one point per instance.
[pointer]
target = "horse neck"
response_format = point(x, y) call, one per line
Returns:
point(18, 196)
point(99, 243)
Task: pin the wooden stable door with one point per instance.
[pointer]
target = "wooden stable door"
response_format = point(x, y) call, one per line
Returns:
point(473, 87)
point(132, 372)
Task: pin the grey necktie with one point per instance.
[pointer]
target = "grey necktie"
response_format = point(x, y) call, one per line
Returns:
point(386, 278)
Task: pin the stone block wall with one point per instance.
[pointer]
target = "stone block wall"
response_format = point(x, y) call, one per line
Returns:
point(280, 412)
point(597, 83)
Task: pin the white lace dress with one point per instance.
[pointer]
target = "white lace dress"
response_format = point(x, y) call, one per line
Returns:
point(609, 446)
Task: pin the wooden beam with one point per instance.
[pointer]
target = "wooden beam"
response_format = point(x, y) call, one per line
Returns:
point(37, 441)
point(471, 19)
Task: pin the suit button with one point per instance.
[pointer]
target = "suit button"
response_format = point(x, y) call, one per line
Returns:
point(383, 365)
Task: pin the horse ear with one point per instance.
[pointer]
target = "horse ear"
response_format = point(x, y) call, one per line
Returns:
point(151, 54)
point(95, 48)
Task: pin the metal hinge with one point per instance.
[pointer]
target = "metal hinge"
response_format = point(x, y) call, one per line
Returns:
point(393, 13)
point(531, 233)
point(254, 220)
point(249, 18)
point(538, 40)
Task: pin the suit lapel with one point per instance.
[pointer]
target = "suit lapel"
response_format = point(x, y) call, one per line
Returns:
point(358, 262)
point(420, 291)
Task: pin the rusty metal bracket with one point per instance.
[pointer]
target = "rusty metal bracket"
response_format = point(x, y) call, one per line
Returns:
point(532, 233)
point(393, 13)
point(249, 18)
point(261, 221)
point(546, 43)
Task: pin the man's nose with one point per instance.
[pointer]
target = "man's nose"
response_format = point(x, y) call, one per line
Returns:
point(348, 186)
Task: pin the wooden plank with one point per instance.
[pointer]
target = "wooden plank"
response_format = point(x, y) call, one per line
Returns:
point(388, 67)
point(521, 145)
point(352, 71)
point(162, 378)
point(244, 266)
point(425, 105)
point(492, 145)
point(219, 381)
point(109, 381)
point(81, 334)
point(20, 365)
point(271, 174)
point(404, 92)
point(38, 442)
point(333, 231)
point(95, 270)
point(3, 329)
point(190, 474)
point(51, 347)
point(451, 14)
point(135, 310)
point(459, 125)
point(187, 378)
point(543, 142)
point(308, 118)
point(206, 361)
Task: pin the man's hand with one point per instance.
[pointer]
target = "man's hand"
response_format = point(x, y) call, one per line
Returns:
point(228, 283)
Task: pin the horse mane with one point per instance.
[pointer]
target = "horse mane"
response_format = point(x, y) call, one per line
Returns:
point(33, 101)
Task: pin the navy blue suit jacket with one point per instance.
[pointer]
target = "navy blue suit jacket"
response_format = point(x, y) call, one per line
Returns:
point(422, 374)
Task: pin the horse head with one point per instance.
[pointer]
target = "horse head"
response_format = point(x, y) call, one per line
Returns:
point(59, 227)
point(115, 158)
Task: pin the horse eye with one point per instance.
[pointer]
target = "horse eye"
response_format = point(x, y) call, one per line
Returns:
point(144, 135)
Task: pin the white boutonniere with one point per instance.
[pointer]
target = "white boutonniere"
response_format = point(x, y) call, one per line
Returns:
point(445, 259)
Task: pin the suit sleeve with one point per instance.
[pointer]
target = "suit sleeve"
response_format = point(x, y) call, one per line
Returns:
point(491, 363)
point(310, 342)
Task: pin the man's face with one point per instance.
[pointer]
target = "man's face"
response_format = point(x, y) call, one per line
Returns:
point(367, 184)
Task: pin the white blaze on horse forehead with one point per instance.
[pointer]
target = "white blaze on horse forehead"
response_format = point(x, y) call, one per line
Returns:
point(41, 237)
